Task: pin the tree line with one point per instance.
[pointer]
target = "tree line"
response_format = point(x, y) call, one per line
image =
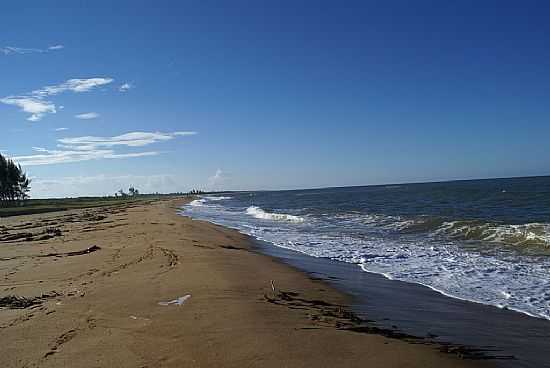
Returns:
point(14, 184)
point(132, 192)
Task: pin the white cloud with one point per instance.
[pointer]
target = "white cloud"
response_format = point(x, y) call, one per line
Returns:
point(34, 106)
point(87, 116)
point(74, 85)
point(35, 103)
point(216, 181)
point(60, 129)
point(125, 87)
point(94, 148)
point(49, 157)
point(133, 139)
point(10, 50)
point(216, 176)
point(130, 155)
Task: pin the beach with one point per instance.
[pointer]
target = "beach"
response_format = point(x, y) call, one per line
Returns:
point(101, 287)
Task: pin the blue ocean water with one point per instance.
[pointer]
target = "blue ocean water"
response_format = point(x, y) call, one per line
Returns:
point(486, 241)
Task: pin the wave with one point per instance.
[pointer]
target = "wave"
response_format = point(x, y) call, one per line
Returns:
point(197, 202)
point(220, 198)
point(535, 235)
point(530, 234)
point(521, 235)
point(259, 213)
point(202, 201)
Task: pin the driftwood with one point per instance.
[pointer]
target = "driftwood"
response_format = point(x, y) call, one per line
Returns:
point(88, 250)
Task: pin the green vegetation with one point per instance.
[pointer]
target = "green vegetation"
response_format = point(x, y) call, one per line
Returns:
point(14, 184)
point(197, 192)
point(132, 192)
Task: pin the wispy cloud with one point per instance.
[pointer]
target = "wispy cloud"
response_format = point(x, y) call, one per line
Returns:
point(125, 87)
point(74, 85)
point(87, 116)
point(8, 50)
point(133, 139)
point(11, 50)
point(35, 103)
point(34, 106)
point(61, 129)
point(49, 157)
point(94, 148)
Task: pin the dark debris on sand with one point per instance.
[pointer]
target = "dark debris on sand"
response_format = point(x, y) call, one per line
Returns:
point(48, 233)
point(340, 317)
point(22, 302)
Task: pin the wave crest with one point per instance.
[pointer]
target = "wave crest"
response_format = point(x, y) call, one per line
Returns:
point(220, 198)
point(197, 202)
point(537, 234)
point(530, 235)
point(259, 213)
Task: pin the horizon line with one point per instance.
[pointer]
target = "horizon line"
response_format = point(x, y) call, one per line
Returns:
point(319, 188)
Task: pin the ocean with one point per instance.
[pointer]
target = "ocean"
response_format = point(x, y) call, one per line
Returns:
point(486, 241)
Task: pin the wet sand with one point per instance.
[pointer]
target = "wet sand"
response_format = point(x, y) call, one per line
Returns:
point(509, 339)
point(81, 288)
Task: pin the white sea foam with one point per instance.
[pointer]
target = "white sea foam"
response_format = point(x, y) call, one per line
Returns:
point(214, 198)
point(259, 213)
point(197, 202)
point(506, 294)
point(202, 201)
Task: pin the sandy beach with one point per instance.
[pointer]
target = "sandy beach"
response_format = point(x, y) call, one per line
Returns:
point(100, 288)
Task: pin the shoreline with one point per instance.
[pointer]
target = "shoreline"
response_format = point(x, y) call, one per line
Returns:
point(101, 307)
point(492, 332)
point(506, 336)
point(386, 276)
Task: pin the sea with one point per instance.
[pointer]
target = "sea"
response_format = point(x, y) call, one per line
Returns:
point(481, 241)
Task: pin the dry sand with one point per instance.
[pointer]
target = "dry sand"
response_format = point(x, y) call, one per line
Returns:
point(79, 306)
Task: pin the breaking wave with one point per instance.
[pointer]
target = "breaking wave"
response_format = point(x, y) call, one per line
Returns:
point(197, 202)
point(258, 213)
point(220, 198)
point(203, 200)
point(530, 234)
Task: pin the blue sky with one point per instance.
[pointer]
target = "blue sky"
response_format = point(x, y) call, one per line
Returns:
point(171, 96)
